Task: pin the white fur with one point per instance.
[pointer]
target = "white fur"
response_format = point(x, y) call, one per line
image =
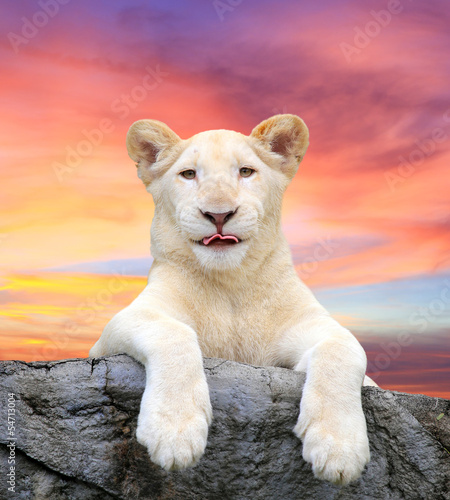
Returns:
point(242, 302)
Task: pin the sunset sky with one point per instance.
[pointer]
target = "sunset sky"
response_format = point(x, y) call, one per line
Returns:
point(372, 197)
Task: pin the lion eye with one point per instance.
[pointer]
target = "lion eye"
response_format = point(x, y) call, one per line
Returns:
point(188, 174)
point(246, 171)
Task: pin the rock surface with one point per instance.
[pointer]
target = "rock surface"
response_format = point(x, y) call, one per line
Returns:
point(75, 423)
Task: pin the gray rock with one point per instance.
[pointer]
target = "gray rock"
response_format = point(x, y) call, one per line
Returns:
point(75, 424)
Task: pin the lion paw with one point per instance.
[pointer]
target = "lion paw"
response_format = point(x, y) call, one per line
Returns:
point(174, 434)
point(338, 451)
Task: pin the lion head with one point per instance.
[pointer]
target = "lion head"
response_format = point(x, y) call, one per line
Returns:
point(218, 194)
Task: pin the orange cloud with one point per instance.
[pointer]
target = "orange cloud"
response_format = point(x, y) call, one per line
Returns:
point(59, 315)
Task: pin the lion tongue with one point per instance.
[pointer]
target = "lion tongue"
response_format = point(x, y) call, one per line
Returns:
point(207, 241)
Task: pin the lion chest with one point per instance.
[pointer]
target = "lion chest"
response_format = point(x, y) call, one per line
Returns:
point(235, 328)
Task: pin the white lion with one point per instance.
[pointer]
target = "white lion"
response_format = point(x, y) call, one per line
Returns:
point(222, 284)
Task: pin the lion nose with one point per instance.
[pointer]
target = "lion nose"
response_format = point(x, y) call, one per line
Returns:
point(219, 220)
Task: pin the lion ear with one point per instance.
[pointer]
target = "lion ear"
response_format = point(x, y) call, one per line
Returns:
point(149, 142)
point(285, 135)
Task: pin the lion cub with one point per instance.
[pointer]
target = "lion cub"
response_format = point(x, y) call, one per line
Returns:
point(222, 284)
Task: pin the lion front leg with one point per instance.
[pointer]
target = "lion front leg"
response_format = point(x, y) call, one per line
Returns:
point(331, 423)
point(175, 408)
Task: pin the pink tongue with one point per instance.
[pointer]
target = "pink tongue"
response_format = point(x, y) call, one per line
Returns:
point(207, 241)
